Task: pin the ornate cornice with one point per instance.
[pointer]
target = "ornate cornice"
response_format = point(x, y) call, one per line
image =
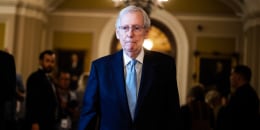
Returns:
point(251, 22)
point(53, 4)
point(32, 10)
point(38, 9)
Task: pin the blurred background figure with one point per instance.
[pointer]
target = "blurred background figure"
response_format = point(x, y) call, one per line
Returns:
point(196, 114)
point(68, 103)
point(242, 109)
point(41, 99)
point(214, 99)
point(82, 83)
point(20, 103)
point(19, 99)
point(8, 91)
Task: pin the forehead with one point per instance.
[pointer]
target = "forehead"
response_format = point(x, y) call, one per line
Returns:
point(48, 56)
point(132, 18)
point(234, 74)
point(64, 74)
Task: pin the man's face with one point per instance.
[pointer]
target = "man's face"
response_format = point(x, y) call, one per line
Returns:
point(48, 63)
point(64, 80)
point(131, 32)
point(234, 77)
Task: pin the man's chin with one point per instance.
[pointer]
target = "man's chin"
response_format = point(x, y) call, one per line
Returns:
point(48, 71)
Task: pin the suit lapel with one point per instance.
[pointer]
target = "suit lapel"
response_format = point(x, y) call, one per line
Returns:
point(117, 71)
point(146, 79)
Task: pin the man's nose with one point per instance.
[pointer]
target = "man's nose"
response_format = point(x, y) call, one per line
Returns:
point(130, 31)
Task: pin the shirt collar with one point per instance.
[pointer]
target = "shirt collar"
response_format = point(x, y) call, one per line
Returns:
point(139, 58)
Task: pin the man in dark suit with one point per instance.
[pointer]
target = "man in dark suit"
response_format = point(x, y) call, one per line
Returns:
point(105, 103)
point(242, 110)
point(8, 91)
point(41, 100)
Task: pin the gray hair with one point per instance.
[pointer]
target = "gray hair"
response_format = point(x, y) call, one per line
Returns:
point(133, 8)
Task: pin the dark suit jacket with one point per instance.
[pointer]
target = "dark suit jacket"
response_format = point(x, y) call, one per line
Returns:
point(8, 90)
point(41, 101)
point(242, 111)
point(106, 100)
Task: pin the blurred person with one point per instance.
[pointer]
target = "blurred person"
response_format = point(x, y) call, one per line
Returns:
point(68, 103)
point(196, 114)
point(214, 99)
point(19, 100)
point(20, 92)
point(20, 97)
point(242, 109)
point(109, 103)
point(8, 95)
point(41, 98)
point(82, 86)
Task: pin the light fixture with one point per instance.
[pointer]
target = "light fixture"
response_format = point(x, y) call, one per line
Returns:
point(148, 44)
point(147, 5)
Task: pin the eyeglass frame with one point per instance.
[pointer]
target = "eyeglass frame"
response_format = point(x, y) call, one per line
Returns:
point(134, 28)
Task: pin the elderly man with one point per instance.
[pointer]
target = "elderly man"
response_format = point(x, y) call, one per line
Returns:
point(133, 89)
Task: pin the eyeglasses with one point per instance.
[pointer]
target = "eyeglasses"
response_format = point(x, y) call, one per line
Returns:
point(134, 28)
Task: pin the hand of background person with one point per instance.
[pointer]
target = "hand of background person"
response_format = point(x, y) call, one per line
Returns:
point(35, 126)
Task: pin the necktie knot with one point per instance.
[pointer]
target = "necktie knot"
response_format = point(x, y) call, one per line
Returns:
point(132, 64)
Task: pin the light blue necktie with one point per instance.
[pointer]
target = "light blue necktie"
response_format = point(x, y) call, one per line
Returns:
point(131, 85)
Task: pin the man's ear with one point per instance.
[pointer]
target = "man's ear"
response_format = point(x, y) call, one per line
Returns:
point(117, 34)
point(240, 77)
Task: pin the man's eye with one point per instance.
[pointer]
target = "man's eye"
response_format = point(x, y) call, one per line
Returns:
point(125, 28)
point(137, 28)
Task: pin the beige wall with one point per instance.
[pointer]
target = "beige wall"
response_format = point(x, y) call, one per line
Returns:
point(74, 41)
point(86, 28)
point(2, 35)
point(221, 34)
point(28, 44)
point(224, 45)
point(250, 52)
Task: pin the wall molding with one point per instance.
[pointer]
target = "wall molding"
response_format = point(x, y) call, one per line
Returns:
point(249, 23)
point(26, 9)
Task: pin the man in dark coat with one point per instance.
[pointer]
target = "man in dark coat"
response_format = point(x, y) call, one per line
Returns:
point(8, 91)
point(41, 100)
point(106, 101)
point(242, 110)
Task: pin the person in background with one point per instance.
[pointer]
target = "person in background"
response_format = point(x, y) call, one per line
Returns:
point(215, 101)
point(82, 86)
point(8, 91)
point(20, 106)
point(242, 109)
point(68, 103)
point(41, 99)
point(109, 102)
point(196, 114)
point(19, 99)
